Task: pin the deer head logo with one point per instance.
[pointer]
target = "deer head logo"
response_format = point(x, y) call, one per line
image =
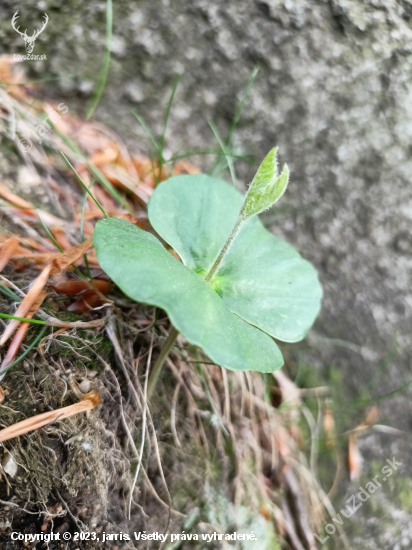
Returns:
point(29, 40)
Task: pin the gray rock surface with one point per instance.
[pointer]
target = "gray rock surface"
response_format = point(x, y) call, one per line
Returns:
point(334, 91)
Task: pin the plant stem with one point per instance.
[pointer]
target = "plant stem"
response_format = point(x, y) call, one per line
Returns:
point(226, 246)
point(164, 352)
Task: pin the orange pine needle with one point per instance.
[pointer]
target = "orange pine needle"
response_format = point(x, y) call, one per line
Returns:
point(88, 402)
point(143, 166)
point(36, 257)
point(104, 157)
point(264, 512)
point(131, 219)
point(27, 303)
point(103, 197)
point(371, 417)
point(184, 167)
point(8, 248)
point(14, 199)
point(62, 261)
point(58, 264)
point(355, 459)
point(21, 333)
point(61, 238)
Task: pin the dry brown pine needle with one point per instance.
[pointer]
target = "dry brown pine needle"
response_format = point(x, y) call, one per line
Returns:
point(88, 402)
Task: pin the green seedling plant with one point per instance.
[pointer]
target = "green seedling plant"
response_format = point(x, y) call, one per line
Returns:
point(237, 286)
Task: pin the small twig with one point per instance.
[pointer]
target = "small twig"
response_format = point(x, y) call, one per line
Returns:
point(54, 322)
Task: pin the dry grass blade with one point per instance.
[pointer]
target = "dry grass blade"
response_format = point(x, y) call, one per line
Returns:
point(149, 359)
point(7, 250)
point(27, 303)
point(88, 402)
point(54, 322)
point(329, 424)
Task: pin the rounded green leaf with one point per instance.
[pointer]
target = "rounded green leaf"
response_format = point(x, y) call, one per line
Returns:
point(261, 278)
point(265, 281)
point(139, 264)
point(187, 212)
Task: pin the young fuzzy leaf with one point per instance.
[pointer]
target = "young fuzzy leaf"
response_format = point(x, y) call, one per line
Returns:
point(267, 186)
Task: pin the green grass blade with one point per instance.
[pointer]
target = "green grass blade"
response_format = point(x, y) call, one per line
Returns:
point(86, 261)
point(226, 153)
point(56, 244)
point(372, 400)
point(156, 144)
point(96, 172)
point(168, 108)
point(23, 355)
point(83, 184)
point(241, 104)
point(247, 157)
point(169, 104)
point(9, 293)
point(35, 321)
point(106, 61)
point(6, 230)
point(47, 230)
point(237, 115)
point(108, 186)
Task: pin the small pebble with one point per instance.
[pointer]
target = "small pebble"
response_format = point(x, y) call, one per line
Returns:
point(9, 465)
point(84, 386)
